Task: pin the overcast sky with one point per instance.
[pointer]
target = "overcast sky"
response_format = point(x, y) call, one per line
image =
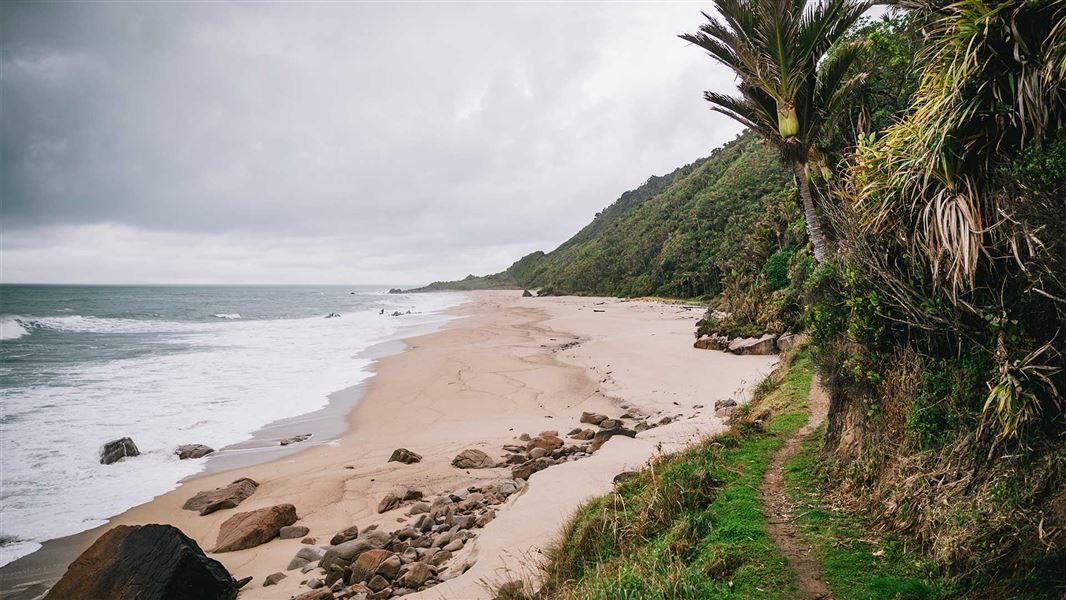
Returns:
point(332, 142)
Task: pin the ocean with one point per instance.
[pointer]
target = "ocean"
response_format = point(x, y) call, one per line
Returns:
point(164, 365)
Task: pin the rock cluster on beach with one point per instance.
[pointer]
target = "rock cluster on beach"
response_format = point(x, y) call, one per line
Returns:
point(187, 451)
point(769, 343)
point(370, 563)
point(367, 563)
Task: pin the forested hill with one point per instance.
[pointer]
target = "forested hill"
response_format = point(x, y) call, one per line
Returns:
point(673, 236)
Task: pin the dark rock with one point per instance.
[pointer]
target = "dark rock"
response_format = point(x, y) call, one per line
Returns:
point(344, 554)
point(548, 442)
point(243, 581)
point(405, 456)
point(727, 403)
point(116, 450)
point(250, 529)
point(192, 451)
point(389, 502)
point(472, 458)
point(290, 532)
point(624, 476)
point(146, 562)
point(528, 468)
point(527, 294)
point(319, 594)
point(592, 418)
point(415, 576)
point(345, 536)
point(273, 578)
point(606, 434)
point(224, 497)
point(295, 439)
point(367, 564)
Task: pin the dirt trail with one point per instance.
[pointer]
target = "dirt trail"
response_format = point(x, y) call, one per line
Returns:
point(777, 507)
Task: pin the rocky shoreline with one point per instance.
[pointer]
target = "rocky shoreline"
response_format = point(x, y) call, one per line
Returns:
point(358, 563)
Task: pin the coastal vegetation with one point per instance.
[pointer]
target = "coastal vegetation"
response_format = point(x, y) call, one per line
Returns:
point(898, 196)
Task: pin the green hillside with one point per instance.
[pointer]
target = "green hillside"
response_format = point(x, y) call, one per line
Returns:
point(679, 235)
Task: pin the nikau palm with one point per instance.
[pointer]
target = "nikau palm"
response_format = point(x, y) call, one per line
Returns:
point(792, 88)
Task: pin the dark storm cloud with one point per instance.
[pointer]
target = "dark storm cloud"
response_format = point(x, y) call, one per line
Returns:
point(193, 141)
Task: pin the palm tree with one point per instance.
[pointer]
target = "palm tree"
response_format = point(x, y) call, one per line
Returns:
point(792, 88)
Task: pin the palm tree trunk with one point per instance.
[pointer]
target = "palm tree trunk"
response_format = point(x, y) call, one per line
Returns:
point(810, 215)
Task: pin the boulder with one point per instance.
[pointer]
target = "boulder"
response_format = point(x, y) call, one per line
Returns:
point(304, 557)
point(548, 442)
point(116, 450)
point(368, 563)
point(787, 341)
point(584, 434)
point(224, 497)
point(344, 554)
point(147, 562)
point(527, 294)
point(418, 508)
point(416, 575)
point(192, 451)
point(754, 346)
point(528, 468)
point(592, 418)
point(273, 578)
point(472, 458)
point(610, 423)
point(319, 594)
point(377, 583)
point(290, 532)
point(389, 502)
point(250, 529)
point(712, 342)
point(405, 456)
point(345, 536)
point(606, 434)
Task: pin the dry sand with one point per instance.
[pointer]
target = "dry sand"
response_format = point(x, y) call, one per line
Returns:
point(512, 365)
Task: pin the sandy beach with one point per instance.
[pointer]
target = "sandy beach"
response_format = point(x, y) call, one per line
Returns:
point(510, 365)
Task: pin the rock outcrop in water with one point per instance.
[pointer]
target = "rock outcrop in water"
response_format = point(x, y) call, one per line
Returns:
point(192, 451)
point(116, 450)
point(146, 562)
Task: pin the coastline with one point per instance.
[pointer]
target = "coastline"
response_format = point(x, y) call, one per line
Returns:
point(514, 365)
point(22, 578)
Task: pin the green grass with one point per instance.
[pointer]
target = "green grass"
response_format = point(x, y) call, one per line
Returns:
point(690, 526)
point(856, 564)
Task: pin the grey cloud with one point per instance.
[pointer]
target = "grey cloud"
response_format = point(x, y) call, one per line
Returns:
point(439, 139)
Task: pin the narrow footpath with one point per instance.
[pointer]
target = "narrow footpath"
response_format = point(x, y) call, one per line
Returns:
point(778, 509)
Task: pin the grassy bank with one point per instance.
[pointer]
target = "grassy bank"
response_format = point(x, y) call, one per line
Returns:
point(691, 524)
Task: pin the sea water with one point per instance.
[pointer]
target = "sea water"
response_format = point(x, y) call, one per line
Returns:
point(166, 365)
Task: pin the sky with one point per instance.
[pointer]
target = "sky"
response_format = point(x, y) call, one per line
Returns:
point(341, 143)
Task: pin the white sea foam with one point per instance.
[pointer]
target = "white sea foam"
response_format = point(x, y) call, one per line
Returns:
point(239, 376)
point(227, 316)
point(11, 328)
